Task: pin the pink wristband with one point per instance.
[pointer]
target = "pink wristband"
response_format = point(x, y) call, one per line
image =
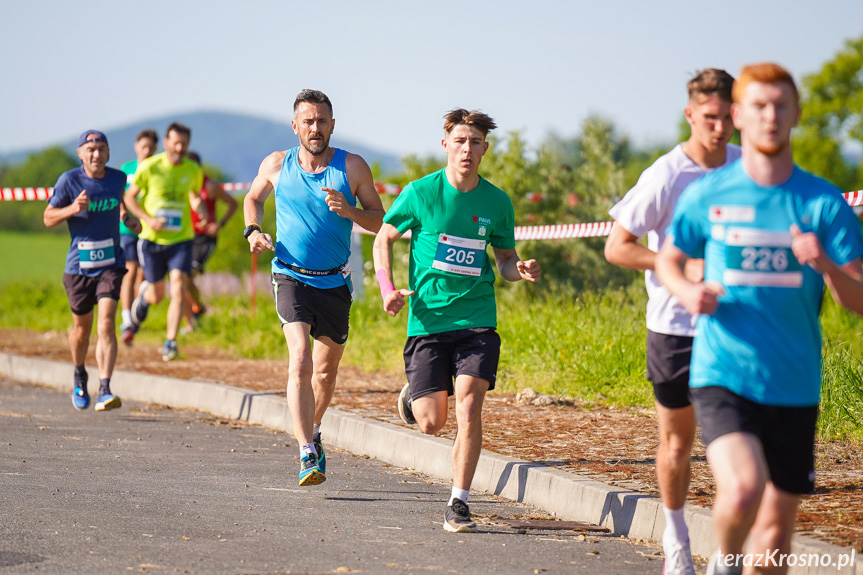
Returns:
point(385, 284)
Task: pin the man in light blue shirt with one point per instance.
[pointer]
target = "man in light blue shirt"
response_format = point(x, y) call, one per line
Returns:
point(772, 236)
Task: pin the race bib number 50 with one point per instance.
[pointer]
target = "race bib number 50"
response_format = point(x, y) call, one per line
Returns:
point(760, 258)
point(461, 256)
point(96, 254)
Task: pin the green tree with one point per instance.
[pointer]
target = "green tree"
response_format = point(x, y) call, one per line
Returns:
point(39, 170)
point(564, 182)
point(832, 102)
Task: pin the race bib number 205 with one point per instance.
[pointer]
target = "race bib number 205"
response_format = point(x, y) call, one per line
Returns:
point(461, 256)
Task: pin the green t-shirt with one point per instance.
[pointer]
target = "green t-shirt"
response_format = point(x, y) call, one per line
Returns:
point(450, 269)
point(165, 194)
point(129, 168)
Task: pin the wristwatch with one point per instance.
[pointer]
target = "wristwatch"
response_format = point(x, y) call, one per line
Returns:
point(249, 229)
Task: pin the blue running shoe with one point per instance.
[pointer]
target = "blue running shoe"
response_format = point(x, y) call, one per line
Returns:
point(80, 398)
point(322, 457)
point(310, 471)
point(108, 402)
point(169, 350)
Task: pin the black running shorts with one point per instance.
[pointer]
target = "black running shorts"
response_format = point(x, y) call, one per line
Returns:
point(84, 291)
point(433, 361)
point(327, 311)
point(787, 434)
point(668, 358)
point(202, 248)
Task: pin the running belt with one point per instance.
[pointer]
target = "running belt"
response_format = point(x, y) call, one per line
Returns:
point(304, 271)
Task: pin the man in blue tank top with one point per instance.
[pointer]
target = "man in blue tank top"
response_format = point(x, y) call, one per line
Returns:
point(90, 200)
point(316, 189)
point(771, 235)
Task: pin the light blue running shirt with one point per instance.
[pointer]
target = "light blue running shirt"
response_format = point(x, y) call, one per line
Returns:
point(308, 234)
point(764, 341)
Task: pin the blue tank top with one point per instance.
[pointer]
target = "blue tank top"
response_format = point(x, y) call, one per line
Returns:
point(308, 234)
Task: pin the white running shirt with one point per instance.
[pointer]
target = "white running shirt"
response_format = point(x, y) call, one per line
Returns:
point(647, 209)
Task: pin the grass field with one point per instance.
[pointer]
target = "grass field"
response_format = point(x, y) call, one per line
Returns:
point(33, 257)
point(589, 346)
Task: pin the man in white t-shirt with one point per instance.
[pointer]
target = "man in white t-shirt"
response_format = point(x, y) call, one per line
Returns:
point(647, 209)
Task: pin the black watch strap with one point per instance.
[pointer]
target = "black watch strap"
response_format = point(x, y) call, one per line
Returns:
point(249, 229)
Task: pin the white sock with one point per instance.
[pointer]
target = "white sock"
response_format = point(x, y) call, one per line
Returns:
point(126, 314)
point(675, 525)
point(308, 449)
point(458, 494)
point(316, 429)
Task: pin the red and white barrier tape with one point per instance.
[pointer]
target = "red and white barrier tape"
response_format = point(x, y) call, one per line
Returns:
point(550, 232)
point(10, 194)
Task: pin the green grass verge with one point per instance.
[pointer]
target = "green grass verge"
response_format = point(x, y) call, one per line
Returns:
point(589, 346)
point(29, 256)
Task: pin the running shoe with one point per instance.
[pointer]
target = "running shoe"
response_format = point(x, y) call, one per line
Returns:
point(310, 471)
point(80, 397)
point(404, 405)
point(140, 307)
point(107, 402)
point(198, 311)
point(127, 333)
point(678, 558)
point(169, 350)
point(457, 518)
point(322, 457)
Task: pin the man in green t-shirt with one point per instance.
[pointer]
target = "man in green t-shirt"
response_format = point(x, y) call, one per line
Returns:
point(145, 146)
point(165, 187)
point(453, 215)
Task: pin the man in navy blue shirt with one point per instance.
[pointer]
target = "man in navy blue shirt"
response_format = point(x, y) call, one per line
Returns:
point(90, 200)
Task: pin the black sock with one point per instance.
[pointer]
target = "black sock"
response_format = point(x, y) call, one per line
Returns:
point(105, 386)
point(81, 376)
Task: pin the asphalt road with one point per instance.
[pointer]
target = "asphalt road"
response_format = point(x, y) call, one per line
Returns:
point(147, 489)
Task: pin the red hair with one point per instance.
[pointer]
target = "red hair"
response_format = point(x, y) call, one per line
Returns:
point(765, 73)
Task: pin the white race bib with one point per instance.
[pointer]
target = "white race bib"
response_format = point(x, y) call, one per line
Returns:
point(96, 254)
point(173, 219)
point(760, 258)
point(461, 256)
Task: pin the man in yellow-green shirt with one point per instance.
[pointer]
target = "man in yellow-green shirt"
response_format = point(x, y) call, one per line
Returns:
point(164, 189)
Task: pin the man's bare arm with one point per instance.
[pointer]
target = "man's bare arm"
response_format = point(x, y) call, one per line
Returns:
point(253, 203)
point(362, 185)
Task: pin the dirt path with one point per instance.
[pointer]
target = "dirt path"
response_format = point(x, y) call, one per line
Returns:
point(615, 446)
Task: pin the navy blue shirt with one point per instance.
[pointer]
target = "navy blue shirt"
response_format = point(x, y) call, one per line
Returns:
point(95, 242)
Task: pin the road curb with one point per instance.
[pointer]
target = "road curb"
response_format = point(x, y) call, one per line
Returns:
point(568, 495)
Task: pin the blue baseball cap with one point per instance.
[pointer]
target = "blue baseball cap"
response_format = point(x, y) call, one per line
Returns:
point(88, 136)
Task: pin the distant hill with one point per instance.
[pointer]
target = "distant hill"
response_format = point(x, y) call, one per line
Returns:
point(234, 143)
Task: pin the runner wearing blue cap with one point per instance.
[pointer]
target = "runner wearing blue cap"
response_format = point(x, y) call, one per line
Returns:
point(90, 200)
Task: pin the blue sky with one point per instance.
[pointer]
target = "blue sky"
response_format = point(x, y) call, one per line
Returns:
point(394, 68)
